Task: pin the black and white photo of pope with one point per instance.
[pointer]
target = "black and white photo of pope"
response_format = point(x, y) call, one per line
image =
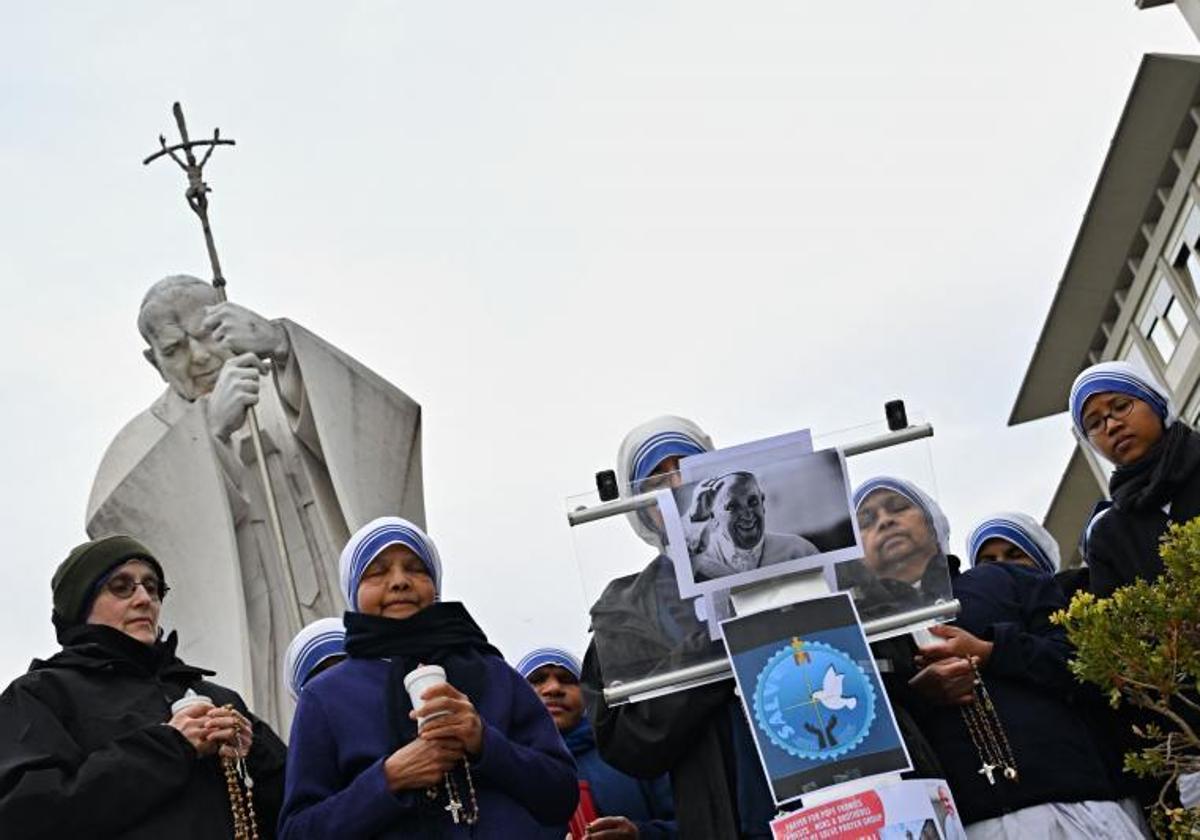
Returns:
point(747, 514)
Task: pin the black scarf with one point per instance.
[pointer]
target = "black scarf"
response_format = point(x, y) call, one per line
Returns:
point(98, 648)
point(441, 634)
point(120, 646)
point(1156, 478)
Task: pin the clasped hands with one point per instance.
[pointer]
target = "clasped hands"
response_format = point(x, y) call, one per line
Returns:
point(948, 667)
point(452, 730)
point(211, 729)
point(248, 338)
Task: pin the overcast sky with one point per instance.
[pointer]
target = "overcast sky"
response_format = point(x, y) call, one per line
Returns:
point(550, 221)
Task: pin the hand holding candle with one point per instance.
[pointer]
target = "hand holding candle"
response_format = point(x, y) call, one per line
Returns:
point(188, 714)
point(442, 712)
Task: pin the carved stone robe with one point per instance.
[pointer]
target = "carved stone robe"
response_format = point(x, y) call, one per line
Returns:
point(343, 446)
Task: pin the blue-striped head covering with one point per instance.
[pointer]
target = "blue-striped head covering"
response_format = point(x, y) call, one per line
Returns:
point(543, 656)
point(1122, 378)
point(317, 642)
point(657, 449)
point(647, 446)
point(932, 510)
point(373, 538)
point(1021, 530)
point(651, 443)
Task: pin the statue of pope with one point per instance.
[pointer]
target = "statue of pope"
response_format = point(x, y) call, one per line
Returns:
point(342, 446)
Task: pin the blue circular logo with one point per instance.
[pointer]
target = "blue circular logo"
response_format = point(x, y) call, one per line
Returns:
point(813, 701)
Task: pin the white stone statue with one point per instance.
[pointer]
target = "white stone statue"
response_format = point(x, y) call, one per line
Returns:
point(343, 446)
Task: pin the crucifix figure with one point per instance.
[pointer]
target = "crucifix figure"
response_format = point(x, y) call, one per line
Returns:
point(988, 770)
point(337, 446)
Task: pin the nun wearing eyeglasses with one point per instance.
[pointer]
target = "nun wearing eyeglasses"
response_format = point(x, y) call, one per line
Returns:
point(699, 737)
point(89, 746)
point(1030, 765)
point(482, 757)
point(1127, 417)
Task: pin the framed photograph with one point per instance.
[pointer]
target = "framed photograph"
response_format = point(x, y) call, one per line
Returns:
point(752, 513)
point(813, 697)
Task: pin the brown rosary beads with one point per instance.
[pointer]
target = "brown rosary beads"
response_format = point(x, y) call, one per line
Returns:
point(240, 787)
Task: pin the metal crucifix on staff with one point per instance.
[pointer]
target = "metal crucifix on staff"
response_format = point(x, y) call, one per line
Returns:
point(197, 199)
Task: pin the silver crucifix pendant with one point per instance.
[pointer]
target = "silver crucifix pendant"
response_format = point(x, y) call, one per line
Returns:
point(989, 770)
point(454, 807)
point(244, 772)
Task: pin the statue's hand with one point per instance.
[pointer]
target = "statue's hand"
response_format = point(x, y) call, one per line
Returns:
point(241, 330)
point(235, 391)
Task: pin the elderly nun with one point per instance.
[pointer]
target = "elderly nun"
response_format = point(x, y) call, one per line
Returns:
point(1126, 415)
point(640, 624)
point(906, 565)
point(905, 538)
point(1000, 673)
point(481, 759)
point(319, 646)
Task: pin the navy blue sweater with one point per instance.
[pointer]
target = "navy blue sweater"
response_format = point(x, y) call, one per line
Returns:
point(335, 785)
point(646, 803)
point(1034, 694)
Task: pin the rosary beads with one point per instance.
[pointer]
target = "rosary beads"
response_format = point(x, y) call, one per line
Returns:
point(241, 802)
point(987, 733)
point(459, 812)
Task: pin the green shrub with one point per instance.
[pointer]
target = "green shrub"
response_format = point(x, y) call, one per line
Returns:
point(1142, 647)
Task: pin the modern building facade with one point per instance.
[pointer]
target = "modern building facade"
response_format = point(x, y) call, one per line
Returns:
point(1189, 8)
point(1129, 290)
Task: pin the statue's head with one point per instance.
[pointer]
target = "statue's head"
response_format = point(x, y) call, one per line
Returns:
point(171, 320)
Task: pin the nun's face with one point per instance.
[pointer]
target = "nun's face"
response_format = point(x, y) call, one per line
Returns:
point(560, 692)
point(665, 474)
point(395, 584)
point(1123, 428)
point(898, 541)
point(998, 550)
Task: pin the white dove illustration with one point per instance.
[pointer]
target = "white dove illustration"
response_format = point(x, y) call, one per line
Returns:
point(830, 695)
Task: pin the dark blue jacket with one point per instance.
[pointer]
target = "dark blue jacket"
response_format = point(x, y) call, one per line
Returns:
point(1034, 694)
point(646, 803)
point(335, 784)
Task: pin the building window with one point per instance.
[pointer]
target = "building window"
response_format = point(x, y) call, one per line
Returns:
point(1187, 269)
point(1183, 253)
point(1164, 320)
point(1132, 352)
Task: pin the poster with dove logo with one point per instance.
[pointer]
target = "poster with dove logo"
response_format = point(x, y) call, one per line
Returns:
point(812, 696)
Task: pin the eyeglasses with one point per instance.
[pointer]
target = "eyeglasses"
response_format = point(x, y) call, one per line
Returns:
point(123, 586)
point(1120, 407)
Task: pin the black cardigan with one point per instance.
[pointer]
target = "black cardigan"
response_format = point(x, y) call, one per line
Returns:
point(1035, 696)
